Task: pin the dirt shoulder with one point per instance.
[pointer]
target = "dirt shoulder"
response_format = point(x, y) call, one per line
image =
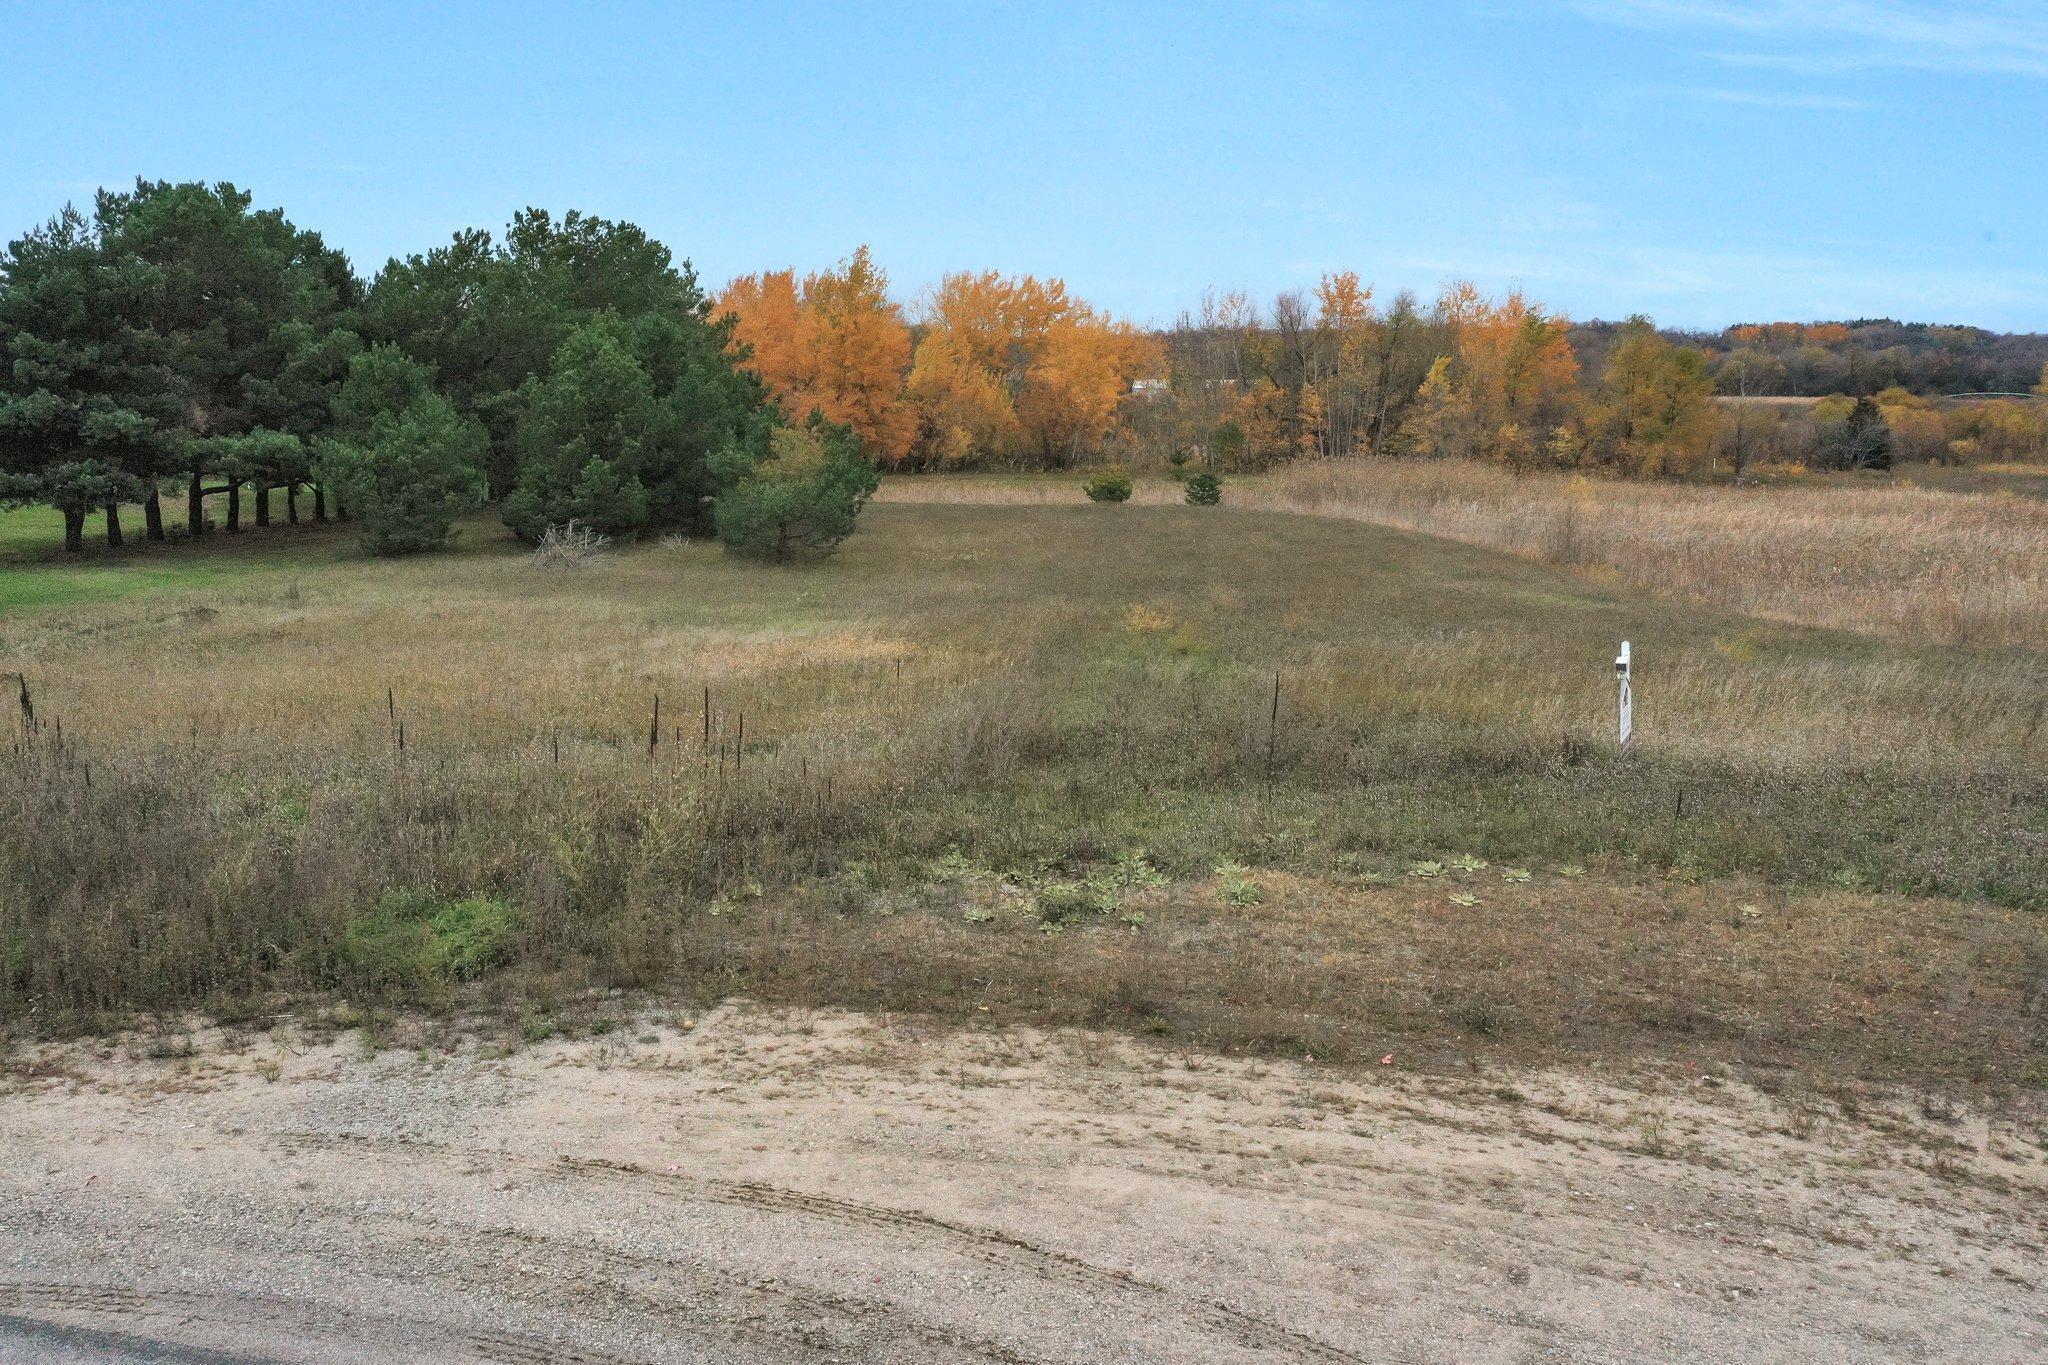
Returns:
point(754, 1186)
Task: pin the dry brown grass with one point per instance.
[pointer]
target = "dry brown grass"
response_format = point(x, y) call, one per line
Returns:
point(1836, 983)
point(1039, 690)
point(1899, 560)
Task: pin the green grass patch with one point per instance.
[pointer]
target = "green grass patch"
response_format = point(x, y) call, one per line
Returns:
point(37, 575)
point(417, 939)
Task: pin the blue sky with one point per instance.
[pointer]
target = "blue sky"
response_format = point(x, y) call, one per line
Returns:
point(1706, 161)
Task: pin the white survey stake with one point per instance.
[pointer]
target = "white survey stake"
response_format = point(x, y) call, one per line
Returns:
point(1626, 700)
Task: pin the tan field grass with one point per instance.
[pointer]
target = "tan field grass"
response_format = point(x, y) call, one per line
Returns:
point(1901, 560)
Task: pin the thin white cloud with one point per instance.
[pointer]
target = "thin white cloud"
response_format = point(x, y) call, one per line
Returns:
point(1696, 286)
point(1770, 99)
point(2009, 38)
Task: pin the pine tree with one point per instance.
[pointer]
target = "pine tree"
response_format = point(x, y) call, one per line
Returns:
point(406, 462)
point(234, 298)
point(801, 501)
point(647, 401)
point(87, 408)
point(489, 317)
point(582, 437)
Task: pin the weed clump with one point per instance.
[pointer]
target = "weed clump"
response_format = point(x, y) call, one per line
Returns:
point(1101, 894)
point(1235, 884)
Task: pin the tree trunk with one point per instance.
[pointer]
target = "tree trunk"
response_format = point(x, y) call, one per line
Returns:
point(195, 507)
point(114, 536)
point(74, 529)
point(319, 502)
point(263, 504)
point(291, 503)
point(153, 513)
point(235, 506)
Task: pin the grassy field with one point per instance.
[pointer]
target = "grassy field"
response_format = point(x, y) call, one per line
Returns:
point(1027, 760)
point(1950, 556)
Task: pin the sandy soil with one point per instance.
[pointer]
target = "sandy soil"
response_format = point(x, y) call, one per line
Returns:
point(753, 1187)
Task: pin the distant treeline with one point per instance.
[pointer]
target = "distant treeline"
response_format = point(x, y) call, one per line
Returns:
point(1333, 371)
point(1860, 358)
point(1014, 371)
point(176, 339)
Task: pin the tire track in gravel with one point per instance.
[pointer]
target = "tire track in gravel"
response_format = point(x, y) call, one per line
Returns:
point(508, 1349)
point(563, 1274)
point(595, 1272)
point(840, 1306)
point(595, 1262)
point(37, 1300)
point(985, 1245)
point(107, 1344)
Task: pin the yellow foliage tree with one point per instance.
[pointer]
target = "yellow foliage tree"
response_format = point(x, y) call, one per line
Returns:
point(998, 322)
point(963, 407)
point(1657, 417)
point(1431, 429)
point(1260, 414)
point(1344, 315)
point(860, 350)
point(1078, 380)
point(1918, 433)
point(1017, 367)
point(1512, 373)
point(1343, 303)
point(1311, 421)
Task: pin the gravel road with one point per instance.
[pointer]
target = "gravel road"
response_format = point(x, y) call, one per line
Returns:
point(749, 1186)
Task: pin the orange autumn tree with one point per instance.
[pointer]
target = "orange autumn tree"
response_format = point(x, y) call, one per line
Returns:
point(772, 323)
point(834, 343)
point(997, 322)
point(1082, 373)
point(1013, 367)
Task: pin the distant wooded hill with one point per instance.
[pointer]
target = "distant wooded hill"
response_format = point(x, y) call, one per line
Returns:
point(1866, 356)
